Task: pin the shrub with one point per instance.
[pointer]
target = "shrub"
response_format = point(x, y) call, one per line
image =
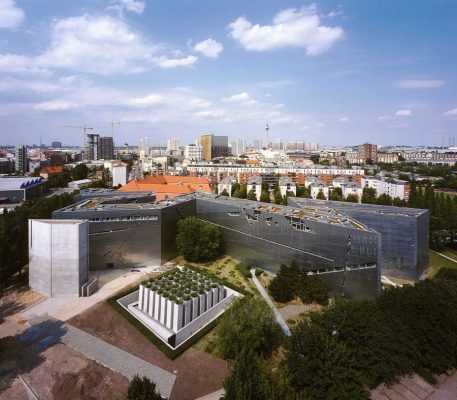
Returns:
point(243, 268)
point(142, 389)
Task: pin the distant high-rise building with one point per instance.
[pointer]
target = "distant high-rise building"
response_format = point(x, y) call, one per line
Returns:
point(214, 146)
point(21, 160)
point(238, 147)
point(193, 152)
point(56, 145)
point(106, 148)
point(257, 144)
point(367, 152)
point(277, 145)
point(172, 145)
point(92, 148)
point(143, 147)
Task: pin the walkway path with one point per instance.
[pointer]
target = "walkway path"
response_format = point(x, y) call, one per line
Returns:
point(112, 357)
point(442, 255)
point(264, 294)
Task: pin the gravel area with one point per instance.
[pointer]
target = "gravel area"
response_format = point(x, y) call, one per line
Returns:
point(114, 358)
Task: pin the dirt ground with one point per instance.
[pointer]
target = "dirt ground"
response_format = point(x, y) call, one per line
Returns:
point(53, 371)
point(198, 373)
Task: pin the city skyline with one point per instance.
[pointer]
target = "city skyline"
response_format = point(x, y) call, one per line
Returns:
point(319, 72)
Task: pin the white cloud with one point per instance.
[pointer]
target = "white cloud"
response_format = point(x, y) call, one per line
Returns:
point(451, 113)
point(420, 83)
point(403, 113)
point(290, 28)
point(55, 105)
point(11, 16)
point(209, 48)
point(100, 45)
point(237, 98)
point(385, 118)
point(343, 119)
point(165, 62)
point(136, 6)
point(149, 100)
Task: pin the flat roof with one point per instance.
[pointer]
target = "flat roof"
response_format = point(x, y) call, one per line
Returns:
point(368, 208)
point(317, 213)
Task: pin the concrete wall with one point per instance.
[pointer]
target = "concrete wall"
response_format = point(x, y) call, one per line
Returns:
point(58, 257)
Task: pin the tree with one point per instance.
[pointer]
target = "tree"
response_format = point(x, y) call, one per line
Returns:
point(248, 325)
point(336, 194)
point(235, 186)
point(303, 191)
point(251, 195)
point(198, 240)
point(264, 196)
point(224, 193)
point(321, 195)
point(283, 287)
point(312, 288)
point(369, 196)
point(352, 198)
point(79, 172)
point(277, 197)
point(142, 389)
point(107, 179)
point(321, 366)
point(243, 190)
point(384, 199)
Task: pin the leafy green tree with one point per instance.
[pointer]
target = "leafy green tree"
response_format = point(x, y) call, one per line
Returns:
point(369, 196)
point(236, 193)
point(79, 172)
point(198, 240)
point(283, 287)
point(384, 199)
point(322, 366)
point(264, 196)
point(248, 325)
point(336, 194)
point(312, 288)
point(303, 191)
point(235, 186)
point(321, 195)
point(243, 190)
point(224, 193)
point(251, 195)
point(352, 198)
point(277, 197)
point(142, 389)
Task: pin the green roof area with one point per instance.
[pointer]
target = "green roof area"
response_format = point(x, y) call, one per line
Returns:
point(181, 285)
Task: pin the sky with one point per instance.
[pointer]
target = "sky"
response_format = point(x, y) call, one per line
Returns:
point(333, 72)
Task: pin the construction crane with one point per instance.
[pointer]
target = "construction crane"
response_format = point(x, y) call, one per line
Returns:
point(112, 124)
point(84, 128)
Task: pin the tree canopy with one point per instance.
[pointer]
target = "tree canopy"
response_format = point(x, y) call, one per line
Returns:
point(142, 389)
point(198, 240)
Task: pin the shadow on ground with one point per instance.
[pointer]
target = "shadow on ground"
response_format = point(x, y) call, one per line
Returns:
point(22, 353)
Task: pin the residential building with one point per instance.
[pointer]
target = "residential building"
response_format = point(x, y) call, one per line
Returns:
point(193, 152)
point(392, 187)
point(172, 145)
point(106, 148)
point(238, 147)
point(318, 187)
point(368, 152)
point(287, 186)
point(52, 171)
point(118, 172)
point(21, 159)
point(387, 158)
point(92, 147)
point(227, 185)
point(255, 184)
point(56, 145)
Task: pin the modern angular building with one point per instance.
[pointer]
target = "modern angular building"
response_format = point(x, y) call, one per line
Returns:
point(404, 233)
point(58, 256)
point(320, 239)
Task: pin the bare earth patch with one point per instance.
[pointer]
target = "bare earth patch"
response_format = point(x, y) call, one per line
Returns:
point(198, 373)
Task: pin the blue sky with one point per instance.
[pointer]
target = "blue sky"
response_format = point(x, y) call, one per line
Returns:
point(333, 72)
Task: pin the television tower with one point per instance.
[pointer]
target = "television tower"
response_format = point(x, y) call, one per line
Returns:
point(267, 129)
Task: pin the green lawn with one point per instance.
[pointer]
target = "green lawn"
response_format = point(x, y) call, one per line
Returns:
point(450, 253)
point(436, 262)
